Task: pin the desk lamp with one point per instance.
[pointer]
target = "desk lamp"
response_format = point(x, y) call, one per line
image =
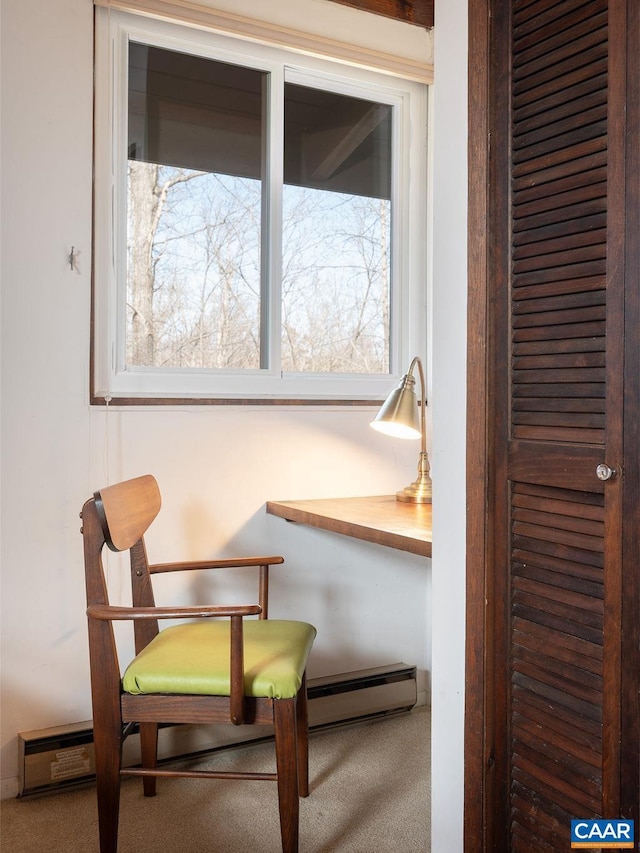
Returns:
point(398, 417)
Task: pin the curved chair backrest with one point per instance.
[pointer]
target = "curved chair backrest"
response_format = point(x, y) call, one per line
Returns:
point(127, 509)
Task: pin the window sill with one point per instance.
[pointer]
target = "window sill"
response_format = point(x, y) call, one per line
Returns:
point(228, 401)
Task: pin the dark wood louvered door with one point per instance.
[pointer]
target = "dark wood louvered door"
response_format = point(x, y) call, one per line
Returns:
point(557, 382)
point(561, 527)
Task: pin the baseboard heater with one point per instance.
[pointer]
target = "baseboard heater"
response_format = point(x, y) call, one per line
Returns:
point(62, 757)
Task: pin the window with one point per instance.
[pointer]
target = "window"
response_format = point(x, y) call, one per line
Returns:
point(259, 220)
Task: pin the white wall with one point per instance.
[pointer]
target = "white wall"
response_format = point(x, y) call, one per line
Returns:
point(448, 310)
point(216, 466)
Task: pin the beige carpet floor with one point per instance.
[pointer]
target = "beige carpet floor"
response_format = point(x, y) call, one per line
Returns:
point(370, 792)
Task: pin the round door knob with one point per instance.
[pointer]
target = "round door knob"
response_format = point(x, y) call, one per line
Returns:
point(604, 472)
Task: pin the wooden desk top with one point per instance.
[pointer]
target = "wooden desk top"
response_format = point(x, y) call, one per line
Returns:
point(381, 519)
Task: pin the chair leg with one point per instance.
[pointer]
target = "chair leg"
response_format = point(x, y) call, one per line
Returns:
point(108, 756)
point(149, 755)
point(284, 718)
point(302, 729)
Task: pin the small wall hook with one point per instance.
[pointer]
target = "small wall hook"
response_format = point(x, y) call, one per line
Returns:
point(73, 259)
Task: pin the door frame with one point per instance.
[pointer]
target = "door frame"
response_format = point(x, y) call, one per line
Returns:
point(479, 676)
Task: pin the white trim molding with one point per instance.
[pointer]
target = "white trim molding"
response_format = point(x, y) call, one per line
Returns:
point(217, 20)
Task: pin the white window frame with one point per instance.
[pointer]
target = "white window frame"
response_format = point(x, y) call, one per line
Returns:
point(112, 379)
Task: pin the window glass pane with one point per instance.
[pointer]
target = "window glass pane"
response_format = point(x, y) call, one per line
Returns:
point(336, 279)
point(195, 168)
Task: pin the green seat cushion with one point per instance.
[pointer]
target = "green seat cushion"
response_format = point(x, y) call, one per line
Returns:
point(194, 657)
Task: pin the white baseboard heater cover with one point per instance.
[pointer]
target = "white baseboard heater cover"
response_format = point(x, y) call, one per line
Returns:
point(63, 757)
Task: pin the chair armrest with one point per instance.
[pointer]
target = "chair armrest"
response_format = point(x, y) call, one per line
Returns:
point(107, 613)
point(232, 563)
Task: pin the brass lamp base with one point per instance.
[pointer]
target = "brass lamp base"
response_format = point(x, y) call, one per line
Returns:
point(420, 491)
point(416, 493)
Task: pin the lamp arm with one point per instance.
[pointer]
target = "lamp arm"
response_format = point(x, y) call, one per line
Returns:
point(423, 402)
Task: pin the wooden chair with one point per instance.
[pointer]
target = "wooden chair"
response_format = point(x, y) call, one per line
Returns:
point(236, 669)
